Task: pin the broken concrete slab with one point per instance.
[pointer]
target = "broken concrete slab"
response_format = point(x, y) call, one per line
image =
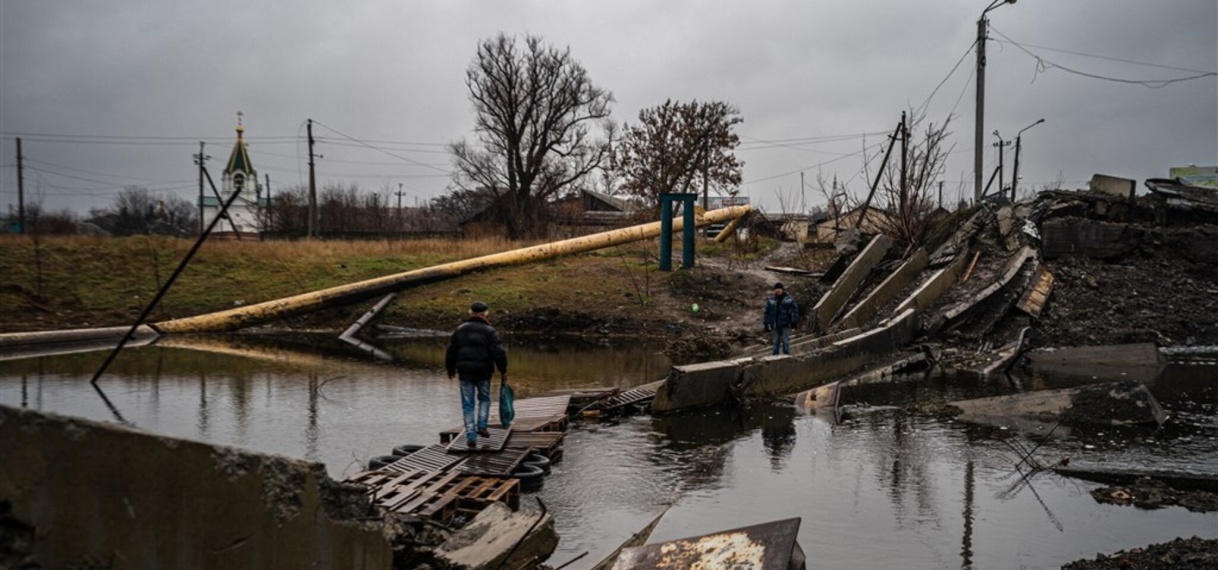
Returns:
point(888, 290)
point(711, 383)
point(769, 546)
point(1113, 403)
point(490, 540)
point(1140, 361)
point(832, 302)
point(1113, 185)
point(96, 491)
point(934, 287)
point(697, 385)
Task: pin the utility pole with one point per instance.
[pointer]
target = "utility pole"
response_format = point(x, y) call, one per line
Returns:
point(199, 159)
point(399, 195)
point(940, 193)
point(978, 142)
point(266, 220)
point(311, 224)
point(1001, 145)
point(904, 161)
point(20, 189)
point(1018, 151)
point(706, 172)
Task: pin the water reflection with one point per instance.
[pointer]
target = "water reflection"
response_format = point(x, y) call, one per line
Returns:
point(883, 487)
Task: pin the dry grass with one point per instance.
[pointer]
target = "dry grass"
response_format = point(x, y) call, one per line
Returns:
point(76, 281)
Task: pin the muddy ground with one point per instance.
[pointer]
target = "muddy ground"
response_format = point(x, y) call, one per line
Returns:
point(1147, 493)
point(1180, 554)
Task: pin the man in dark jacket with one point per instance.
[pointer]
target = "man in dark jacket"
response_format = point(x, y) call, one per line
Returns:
point(474, 352)
point(781, 315)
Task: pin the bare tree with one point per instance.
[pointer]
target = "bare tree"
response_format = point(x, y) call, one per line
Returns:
point(672, 144)
point(537, 119)
point(907, 192)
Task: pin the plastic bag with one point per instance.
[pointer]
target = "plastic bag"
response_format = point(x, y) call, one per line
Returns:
point(507, 404)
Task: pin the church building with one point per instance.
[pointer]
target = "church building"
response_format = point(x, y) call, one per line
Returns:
point(246, 216)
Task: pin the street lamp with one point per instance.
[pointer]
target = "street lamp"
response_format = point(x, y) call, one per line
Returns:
point(978, 155)
point(1018, 151)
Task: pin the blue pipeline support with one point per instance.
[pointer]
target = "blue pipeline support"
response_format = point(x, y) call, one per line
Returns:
point(688, 232)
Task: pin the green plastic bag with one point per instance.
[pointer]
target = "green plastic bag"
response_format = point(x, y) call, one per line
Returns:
point(507, 404)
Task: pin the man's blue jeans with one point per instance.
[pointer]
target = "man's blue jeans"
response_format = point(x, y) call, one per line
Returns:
point(483, 389)
point(782, 339)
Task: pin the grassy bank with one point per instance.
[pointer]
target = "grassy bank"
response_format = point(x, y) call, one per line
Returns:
point(62, 282)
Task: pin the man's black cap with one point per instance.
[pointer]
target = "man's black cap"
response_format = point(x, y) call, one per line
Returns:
point(778, 286)
point(478, 307)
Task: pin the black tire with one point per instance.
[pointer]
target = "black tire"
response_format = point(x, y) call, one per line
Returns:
point(538, 460)
point(530, 476)
point(381, 461)
point(404, 450)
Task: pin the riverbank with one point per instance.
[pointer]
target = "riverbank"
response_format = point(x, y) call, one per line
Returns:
point(78, 282)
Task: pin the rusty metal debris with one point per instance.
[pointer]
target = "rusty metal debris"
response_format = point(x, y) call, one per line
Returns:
point(768, 546)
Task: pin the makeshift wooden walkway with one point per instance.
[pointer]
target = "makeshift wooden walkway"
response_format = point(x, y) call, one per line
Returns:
point(439, 481)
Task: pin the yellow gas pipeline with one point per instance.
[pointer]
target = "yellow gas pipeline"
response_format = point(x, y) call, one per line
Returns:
point(241, 317)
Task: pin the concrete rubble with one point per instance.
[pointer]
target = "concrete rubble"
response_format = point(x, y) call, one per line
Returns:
point(500, 538)
point(1114, 403)
point(985, 296)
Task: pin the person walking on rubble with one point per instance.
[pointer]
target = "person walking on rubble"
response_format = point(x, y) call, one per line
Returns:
point(474, 352)
point(781, 315)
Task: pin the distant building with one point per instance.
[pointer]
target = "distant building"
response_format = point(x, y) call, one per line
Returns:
point(245, 216)
point(1196, 175)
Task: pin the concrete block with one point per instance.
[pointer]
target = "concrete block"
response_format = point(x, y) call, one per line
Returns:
point(100, 492)
point(885, 292)
point(697, 385)
point(489, 541)
point(1113, 185)
point(832, 302)
point(1113, 403)
point(934, 288)
point(1140, 361)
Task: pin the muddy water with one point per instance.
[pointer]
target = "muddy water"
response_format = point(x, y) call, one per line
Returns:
point(876, 488)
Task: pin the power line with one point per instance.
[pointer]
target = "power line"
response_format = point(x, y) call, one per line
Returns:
point(378, 149)
point(926, 103)
point(812, 166)
point(1147, 64)
point(71, 169)
point(1043, 65)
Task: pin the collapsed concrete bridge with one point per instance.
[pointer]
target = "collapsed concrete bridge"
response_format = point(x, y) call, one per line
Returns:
point(971, 300)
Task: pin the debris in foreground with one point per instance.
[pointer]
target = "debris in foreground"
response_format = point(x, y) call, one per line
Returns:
point(1112, 403)
point(767, 546)
point(1180, 554)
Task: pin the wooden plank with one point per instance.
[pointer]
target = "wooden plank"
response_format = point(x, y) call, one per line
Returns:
point(1037, 293)
point(490, 444)
point(494, 464)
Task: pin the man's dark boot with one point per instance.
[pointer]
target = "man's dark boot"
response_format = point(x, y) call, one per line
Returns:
point(484, 432)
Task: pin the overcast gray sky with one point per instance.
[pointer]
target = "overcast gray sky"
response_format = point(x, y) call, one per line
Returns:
point(391, 75)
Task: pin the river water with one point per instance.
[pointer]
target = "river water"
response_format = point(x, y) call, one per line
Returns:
point(878, 487)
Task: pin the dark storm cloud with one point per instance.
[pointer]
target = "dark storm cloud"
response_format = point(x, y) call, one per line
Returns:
point(394, 71)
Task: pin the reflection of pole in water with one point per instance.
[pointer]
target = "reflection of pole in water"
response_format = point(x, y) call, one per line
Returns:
point(966, 548)
point(204, 413)
point(25, 391)
point(311, 430)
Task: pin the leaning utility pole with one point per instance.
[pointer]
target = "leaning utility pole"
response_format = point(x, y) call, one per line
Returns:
point(904, 161)
point(20, 189)
point(311, 224)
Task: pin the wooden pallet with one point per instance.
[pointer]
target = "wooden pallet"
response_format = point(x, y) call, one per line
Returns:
point(477, 493)
point(417, 493)
point(490, 444)
point(532, 414)
point(430, 458)
point(544, 443)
